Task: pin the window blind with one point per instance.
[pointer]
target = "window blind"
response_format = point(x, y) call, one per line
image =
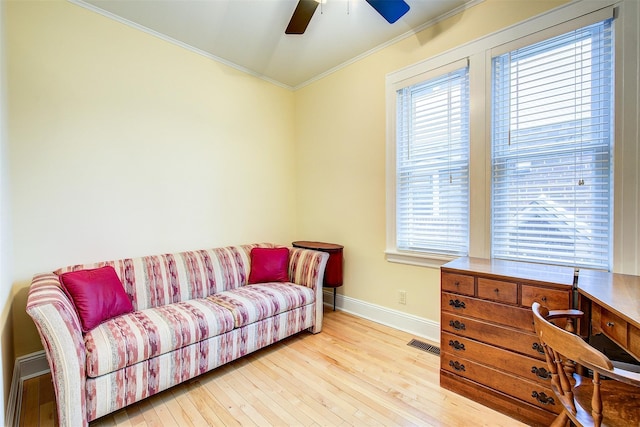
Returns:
point(552, 118)
point(432, 165)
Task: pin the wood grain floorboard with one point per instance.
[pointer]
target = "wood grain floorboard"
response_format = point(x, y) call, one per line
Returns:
point(355, 373)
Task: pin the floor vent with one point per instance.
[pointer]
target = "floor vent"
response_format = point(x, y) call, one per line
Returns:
point(421, 345)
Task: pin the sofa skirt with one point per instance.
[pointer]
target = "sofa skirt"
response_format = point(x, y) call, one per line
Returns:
point(113, 391)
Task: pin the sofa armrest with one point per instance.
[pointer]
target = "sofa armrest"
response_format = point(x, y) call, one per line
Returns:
point(59, 327)
point(306, 268)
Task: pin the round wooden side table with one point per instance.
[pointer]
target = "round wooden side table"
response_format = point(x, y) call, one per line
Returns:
point(333, 271)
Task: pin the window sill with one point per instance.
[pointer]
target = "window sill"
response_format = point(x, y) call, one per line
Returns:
point(420, 259)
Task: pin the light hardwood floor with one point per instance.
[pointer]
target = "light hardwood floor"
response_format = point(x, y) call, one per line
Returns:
point(355, 372)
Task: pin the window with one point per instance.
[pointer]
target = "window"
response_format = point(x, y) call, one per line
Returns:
point(552, 174)
point(432, 164)
point(552, 116)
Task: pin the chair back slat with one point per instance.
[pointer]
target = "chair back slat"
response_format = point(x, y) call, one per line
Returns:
point(573, 347)
point(582, 397)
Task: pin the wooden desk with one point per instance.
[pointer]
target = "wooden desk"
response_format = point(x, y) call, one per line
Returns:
point(613, 302)
point(490, 352)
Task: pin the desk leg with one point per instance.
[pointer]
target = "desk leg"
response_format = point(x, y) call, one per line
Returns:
point(334, 299)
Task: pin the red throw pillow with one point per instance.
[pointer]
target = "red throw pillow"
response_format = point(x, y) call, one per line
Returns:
point(97, 294)
point(269, 265)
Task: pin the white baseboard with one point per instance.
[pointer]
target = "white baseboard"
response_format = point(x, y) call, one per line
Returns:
point(25, 367)
point(419, 326)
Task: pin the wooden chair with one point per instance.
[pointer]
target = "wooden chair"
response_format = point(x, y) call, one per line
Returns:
point(610, 398)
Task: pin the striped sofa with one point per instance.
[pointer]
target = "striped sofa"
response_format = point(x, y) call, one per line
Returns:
point(193, 311)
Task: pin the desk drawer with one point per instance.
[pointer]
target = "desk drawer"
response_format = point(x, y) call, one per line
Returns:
point(634, 341)
point(614, 327)
point(517, 317)
point(497, 290)
point(507, 338)
point(553, 299)
point(528, 391)
point(503, 360)
point(459, 283)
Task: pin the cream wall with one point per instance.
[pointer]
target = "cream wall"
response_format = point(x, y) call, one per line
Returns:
point(6, 326)
point(122, 144)
point(340, 143)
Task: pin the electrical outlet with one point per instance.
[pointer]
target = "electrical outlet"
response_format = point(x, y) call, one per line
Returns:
point(402, 297)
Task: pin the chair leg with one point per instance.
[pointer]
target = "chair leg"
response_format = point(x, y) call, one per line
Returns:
point(561, 420)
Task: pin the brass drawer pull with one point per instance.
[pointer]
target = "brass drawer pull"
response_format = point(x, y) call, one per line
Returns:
point(457, 304)
point(541, 373)
point(610, 324)
point(537, 347)
point(457, 345)
point(543, 398)
point(457, 325)
point(456, 365)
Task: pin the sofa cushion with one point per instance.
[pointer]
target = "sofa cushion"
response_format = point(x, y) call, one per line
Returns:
point(252, 303)
point(157, 280)
point(97, 295)
point(269, 265)
point(134, 337)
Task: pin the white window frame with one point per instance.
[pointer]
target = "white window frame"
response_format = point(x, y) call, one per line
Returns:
point(569, 249)
point(626, 246)
point(423, 77)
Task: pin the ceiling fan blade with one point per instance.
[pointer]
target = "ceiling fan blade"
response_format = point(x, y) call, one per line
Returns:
point(391, 10)
point(301, 16)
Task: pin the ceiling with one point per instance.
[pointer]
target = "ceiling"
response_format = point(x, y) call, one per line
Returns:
point(249, 34)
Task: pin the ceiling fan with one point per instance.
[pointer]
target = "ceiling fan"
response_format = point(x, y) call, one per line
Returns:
point(391, 10)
